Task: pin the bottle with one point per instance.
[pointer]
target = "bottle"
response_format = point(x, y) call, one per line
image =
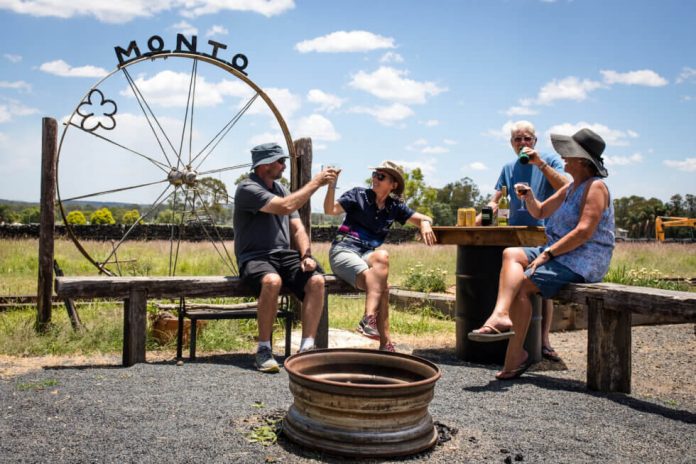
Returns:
point(524, 158)
point(503, 209)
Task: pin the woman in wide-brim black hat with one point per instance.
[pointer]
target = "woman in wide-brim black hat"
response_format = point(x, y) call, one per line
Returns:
point(580, 242)
point(354, 256)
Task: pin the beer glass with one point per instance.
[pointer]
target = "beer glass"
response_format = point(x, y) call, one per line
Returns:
point(333, 166)
point(522, 188)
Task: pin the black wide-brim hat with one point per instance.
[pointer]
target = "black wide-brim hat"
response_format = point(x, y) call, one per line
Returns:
point(583, 144)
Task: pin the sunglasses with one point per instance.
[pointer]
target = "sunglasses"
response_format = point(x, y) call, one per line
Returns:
point(526, 139)
point(380, 176)
point(281, 161)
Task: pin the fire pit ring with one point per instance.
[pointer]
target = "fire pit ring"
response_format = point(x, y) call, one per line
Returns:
point(357, 402)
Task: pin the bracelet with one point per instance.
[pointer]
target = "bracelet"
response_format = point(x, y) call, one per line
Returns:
point(427, 220)
point(542, 166)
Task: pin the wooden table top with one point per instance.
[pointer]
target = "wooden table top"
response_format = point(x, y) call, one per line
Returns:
point(490, 235)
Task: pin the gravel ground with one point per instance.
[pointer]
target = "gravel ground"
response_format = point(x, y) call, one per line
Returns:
point(202, 411)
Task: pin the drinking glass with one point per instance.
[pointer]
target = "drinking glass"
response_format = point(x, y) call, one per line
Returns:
point(333, 166)
point(520, 188)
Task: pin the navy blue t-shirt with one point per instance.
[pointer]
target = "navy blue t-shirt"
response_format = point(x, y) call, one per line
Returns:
point(364, 221)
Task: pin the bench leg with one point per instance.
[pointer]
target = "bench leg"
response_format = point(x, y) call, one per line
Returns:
point(608, 348)
point(322, 339)
point(192, 339)
point(289, 317)
point(180, 330)
point(134, 327)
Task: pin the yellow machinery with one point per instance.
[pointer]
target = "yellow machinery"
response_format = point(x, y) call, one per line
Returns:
point(662, 222)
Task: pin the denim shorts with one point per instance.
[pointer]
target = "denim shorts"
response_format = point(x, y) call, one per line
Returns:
point(551, 276)
point(347, 261)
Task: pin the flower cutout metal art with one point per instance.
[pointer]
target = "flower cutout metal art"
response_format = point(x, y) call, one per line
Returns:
point(97, 112)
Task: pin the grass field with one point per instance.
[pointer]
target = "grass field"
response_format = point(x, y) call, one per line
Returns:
point(18, 276)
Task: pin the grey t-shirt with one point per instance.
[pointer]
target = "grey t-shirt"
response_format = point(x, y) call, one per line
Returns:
point(257, 233)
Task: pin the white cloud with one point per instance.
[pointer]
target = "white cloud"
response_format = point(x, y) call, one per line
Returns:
point(612, 137)
point(387, 115)
point(11, 108)
point(63, 69)
point(431, 123)
point(326, 101)
point(644, 77)
point(686, 98)
point(317, 127)
point(217, 30)
point(268, 8)
point(285, 101)
point(170, 89)
point(501, 134)
point(568, 88)
point(520, 111)
point(687, 75)
point(427, 166)
point(12, 57)
point(345, 41)
point(623, 160)
point(478, 166)
point(116, 12)
point(17, 85)
point(267, 137)
point(391, 57)
point(185, 28)
point(423, 146)
point(686, 165)
point(390, 84)
point(449, 142)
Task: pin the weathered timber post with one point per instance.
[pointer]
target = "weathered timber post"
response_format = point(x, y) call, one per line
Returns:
point(134, 327)
point(300, 176)
point(608, 348)
point(49, 144)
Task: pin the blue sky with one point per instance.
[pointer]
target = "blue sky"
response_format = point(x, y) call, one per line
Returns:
point(430, 84)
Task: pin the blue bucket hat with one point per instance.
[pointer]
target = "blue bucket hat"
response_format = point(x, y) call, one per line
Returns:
point(266, 153)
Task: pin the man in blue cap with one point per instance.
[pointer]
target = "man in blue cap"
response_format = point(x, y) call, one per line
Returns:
point(266, 226)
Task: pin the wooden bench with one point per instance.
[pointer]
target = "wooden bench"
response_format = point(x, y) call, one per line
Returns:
point(135, 291)
point(609, 310)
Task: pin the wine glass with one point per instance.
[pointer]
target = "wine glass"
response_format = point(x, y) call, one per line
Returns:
point(522, 188)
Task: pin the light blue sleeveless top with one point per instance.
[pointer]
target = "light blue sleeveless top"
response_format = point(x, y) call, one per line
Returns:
point(591, 259)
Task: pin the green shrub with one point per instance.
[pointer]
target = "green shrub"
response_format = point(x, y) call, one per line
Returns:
point(643, 278)
point(129, 217)
point(76, 217)
point(102, 216)
point(425, 280)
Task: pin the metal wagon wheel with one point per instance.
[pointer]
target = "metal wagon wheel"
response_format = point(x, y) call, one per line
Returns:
point(163, 132)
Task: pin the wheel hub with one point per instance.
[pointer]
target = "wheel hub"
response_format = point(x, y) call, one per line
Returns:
point(186, 176)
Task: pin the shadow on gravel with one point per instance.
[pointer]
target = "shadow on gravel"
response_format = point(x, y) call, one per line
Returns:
point(550, 383)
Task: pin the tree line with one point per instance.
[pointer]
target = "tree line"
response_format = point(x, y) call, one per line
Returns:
point(635, 214)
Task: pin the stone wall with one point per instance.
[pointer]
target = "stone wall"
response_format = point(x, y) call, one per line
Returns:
point(192, 233)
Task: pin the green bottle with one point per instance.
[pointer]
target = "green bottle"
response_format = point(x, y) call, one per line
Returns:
point(504, 209)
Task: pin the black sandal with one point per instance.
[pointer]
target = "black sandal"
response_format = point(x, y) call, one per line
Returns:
point(550, 354)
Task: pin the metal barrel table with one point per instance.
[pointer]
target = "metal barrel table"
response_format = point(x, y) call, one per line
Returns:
point(479, 260)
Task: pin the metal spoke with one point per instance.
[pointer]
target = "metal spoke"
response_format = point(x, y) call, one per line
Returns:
point(224, 131)
point(174, 255)
point(190, 101)
point(228, 262)
point(96, 194)
point(229, 168)
point(159, 164)
point(141, 100)
point(154, 206)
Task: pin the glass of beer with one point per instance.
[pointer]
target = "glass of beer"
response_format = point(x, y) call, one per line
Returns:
point(522, 188)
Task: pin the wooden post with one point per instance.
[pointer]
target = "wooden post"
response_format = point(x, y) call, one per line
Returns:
point(134, 327)
point(302, 175)
point(608, 348)
point(49, 144)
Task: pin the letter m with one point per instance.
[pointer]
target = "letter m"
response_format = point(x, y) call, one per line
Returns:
point(121, 53)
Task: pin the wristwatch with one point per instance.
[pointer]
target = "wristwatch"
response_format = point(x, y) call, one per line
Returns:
point(547, 250)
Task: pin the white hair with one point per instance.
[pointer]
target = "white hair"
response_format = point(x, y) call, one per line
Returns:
point(522, 126)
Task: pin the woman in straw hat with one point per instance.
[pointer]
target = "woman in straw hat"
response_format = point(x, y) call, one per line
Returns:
point(580, 242)
point(370, 212)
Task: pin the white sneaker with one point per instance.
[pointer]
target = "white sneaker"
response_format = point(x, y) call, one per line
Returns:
point(265, 362)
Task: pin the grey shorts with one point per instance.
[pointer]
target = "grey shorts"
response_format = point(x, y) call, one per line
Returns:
point(551, 276)
point(347, 262)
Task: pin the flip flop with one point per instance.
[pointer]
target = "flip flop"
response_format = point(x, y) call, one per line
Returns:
point(476, 336)
point(515, 373)
point(550, 354)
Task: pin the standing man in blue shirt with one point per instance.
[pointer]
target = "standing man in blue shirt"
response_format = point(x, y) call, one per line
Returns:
point(544, 173)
